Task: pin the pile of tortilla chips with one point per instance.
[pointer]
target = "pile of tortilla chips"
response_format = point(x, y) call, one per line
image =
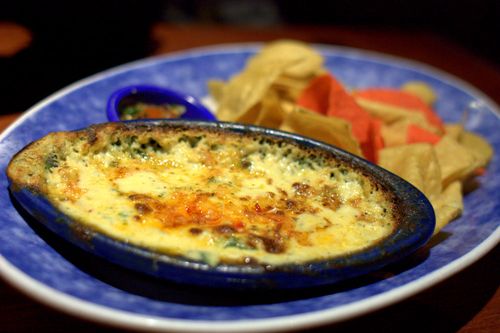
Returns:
point(285, 86)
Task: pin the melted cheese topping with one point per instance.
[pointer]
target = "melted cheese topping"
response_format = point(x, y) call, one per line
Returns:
point(217, 198)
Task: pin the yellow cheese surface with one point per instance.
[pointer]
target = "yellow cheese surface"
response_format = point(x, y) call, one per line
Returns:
point(220, 198)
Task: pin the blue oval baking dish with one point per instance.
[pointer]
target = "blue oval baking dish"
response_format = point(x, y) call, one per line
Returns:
point(125, 101)
point(415, 226)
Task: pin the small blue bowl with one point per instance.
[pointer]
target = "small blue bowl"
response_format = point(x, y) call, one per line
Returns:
point(415, 227)
point(123, 97)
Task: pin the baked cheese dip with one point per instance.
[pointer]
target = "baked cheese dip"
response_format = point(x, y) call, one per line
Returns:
point(206, 194)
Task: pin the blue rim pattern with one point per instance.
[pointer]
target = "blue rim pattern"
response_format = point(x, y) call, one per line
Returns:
point(44, 259)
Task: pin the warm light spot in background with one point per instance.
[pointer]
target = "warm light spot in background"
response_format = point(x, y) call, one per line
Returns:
point(13, 38)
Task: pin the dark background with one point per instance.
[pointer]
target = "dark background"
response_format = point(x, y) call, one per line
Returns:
point(74, 39)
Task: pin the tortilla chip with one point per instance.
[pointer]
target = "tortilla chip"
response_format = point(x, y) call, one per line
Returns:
point(477, 146)
point(455, 160)
point(394, 134)
point(327, 96)
point(304, 61)
point(454, 130)
point(331, 130)
point(216, 89)
point(376, 141)
point(290, 88)
point(272, 66)
point(421, 90)
point(391, 114)
point(417, 164)
point(271, 113)
point(403, 101)
point(416, 134)
point(448, 206)
point(245, 90)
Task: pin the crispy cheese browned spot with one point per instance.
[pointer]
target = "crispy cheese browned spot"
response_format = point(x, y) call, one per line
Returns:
point(214, 196)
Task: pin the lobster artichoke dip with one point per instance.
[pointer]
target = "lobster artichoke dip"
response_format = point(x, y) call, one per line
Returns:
point(206, 194)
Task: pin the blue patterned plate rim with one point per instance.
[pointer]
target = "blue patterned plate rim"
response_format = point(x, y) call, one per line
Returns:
point(283, 318)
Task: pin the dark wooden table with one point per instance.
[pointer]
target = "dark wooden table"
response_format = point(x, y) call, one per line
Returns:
point(467, 302)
